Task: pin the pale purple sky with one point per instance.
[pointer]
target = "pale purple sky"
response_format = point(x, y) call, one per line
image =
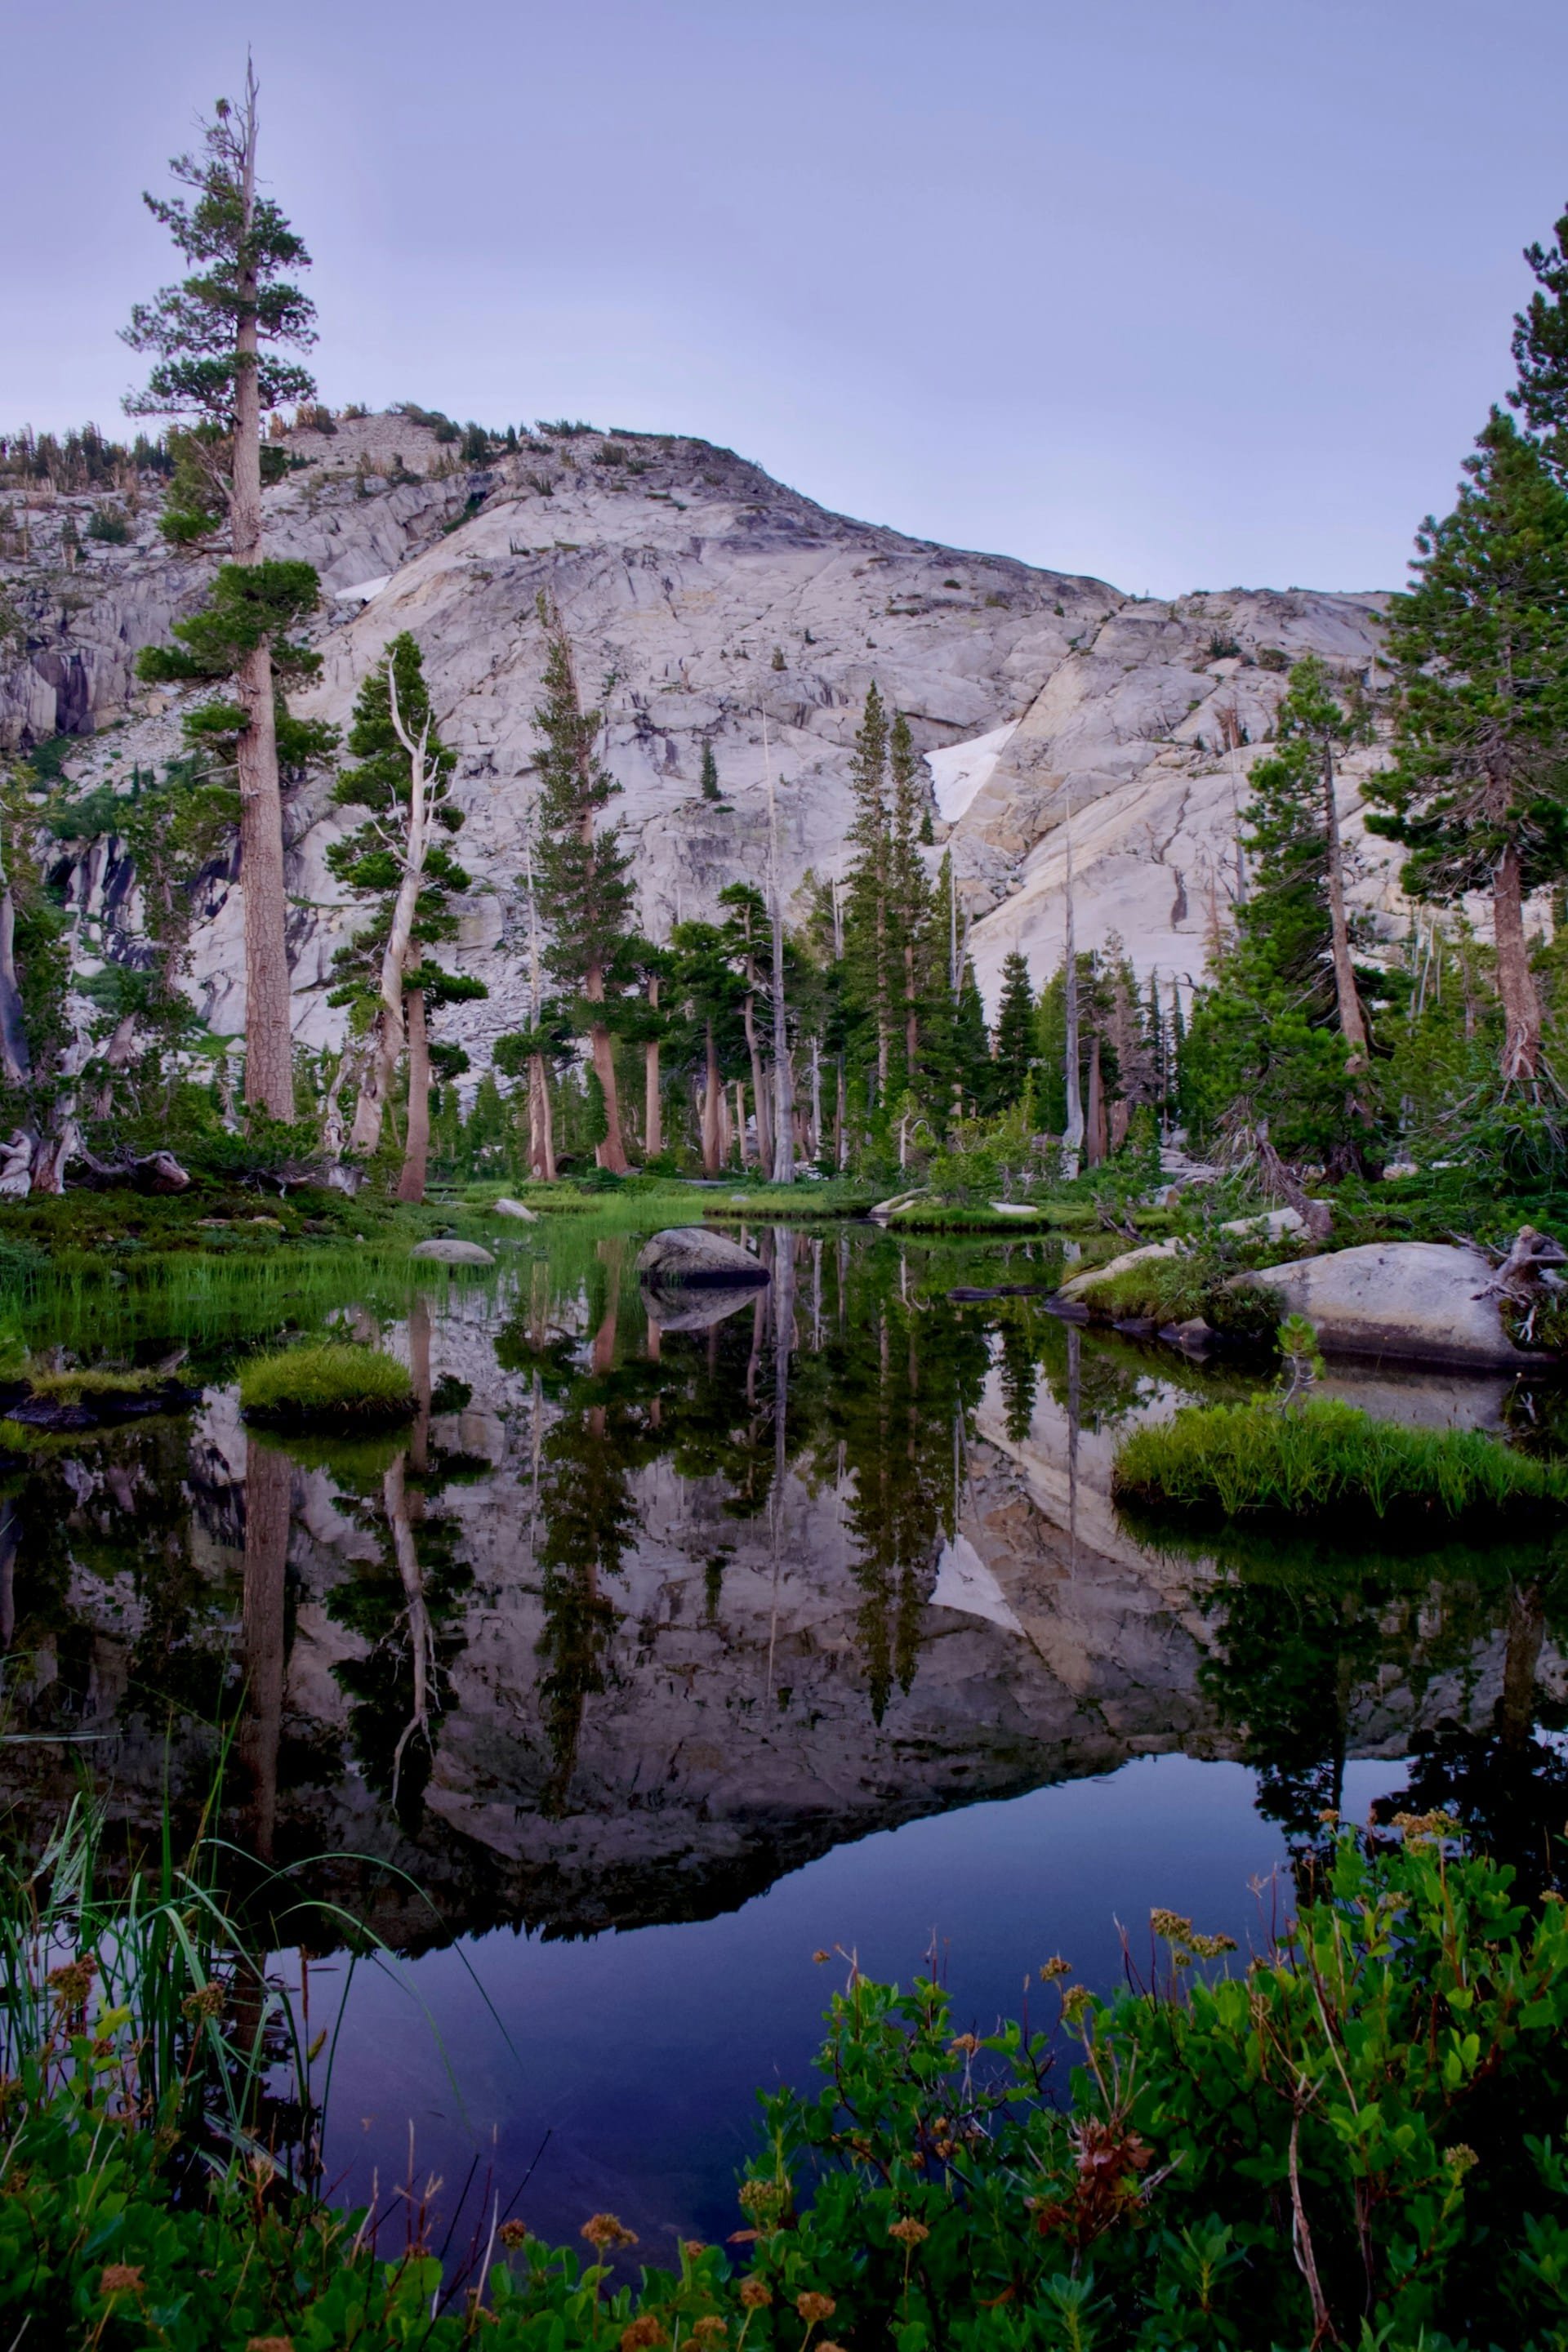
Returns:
point(1187, 296)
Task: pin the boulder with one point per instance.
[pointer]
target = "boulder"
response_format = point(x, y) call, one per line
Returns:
point(1270, 1224)
point(506, 1208)
point(882, 1210)
point(1410, 1302)
point(451, 1253)
point(689, 1255)
point(1078, 1283)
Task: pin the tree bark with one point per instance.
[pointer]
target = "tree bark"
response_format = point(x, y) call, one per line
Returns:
point(1516, 983)
point(1096, 1138)
point(540, 1123)
point(1352, 1020)
point(759, 1090)
point(417, 1150)
point(269, 1043)
point(612, 1152)
point(711, 1106)
point(268, 1063)
point(653, 1106)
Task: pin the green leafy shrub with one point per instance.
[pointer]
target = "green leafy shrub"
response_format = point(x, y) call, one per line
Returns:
point(1384, 2091)
point(1327, 1455)
point(108, 525)
point(330, 1385)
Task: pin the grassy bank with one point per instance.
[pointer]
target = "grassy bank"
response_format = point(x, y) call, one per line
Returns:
point(1389, 2099)
point(1262, 1460)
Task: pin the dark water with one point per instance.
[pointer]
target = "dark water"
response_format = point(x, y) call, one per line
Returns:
point(653, 1660)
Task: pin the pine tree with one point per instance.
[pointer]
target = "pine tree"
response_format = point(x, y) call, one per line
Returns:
point(1265, 1048)
point(867, 948)
point(912, 908)
point(215, 339)
point(397, 861)
point(1014, 1048)
point(746, 930)
point(1479, 791)
point(1314, 725)
point(585, 894)
point(710, 777)
point(1541, 351)
point(711, 1042)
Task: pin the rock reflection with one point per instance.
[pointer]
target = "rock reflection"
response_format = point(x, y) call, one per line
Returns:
point(643, 1610)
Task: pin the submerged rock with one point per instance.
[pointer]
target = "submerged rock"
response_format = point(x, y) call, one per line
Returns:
point(691, 1254)
point(70, 1409)
point(1416, 1302)
point(447, 1252)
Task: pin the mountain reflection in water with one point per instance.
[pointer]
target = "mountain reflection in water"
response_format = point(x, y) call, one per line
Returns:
point(647, 1610)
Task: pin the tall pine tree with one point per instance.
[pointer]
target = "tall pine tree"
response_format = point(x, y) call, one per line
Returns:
point(868, 945)
point(215, 339)
point(1479, 791)
point(584, 894)
point(912, 908)
point(1015, 1047)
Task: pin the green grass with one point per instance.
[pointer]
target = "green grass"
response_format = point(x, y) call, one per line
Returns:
point(332, 1384)
point(1164, 1290)
point(952, 1217)
point(1261, 1461)
point(70, 1388)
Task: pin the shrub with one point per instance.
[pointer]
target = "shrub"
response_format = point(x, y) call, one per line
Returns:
point(1384, 2090)
point(1325, 1454)
point(107, 524)
point(332, 1384)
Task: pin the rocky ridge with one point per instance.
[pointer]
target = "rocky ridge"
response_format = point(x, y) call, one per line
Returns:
point(718, 607)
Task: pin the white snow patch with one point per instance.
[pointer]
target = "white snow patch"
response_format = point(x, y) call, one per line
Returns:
point(362, 590)
point(964, 1582)
point(962, 769)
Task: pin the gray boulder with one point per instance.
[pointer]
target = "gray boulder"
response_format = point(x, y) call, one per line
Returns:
point(505, 1207)
point(451, 1253)
point(1411, 1302)
point(689, 1255)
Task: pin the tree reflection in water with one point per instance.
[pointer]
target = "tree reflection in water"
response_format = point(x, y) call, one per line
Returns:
point(815, 1449)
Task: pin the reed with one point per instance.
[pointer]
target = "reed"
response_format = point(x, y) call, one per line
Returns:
point(1260, 1460)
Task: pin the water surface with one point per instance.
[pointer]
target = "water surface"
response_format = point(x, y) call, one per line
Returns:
point(654, 1659)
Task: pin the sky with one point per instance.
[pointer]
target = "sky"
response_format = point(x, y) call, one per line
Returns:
point(1191, 296)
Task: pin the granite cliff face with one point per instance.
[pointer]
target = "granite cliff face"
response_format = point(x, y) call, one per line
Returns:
point(723, 609)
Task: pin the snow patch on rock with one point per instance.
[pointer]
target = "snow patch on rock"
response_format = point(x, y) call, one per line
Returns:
point(959, 771)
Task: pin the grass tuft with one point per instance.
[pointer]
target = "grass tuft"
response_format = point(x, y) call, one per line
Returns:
point(1258, 1460)
point(332, 1384)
